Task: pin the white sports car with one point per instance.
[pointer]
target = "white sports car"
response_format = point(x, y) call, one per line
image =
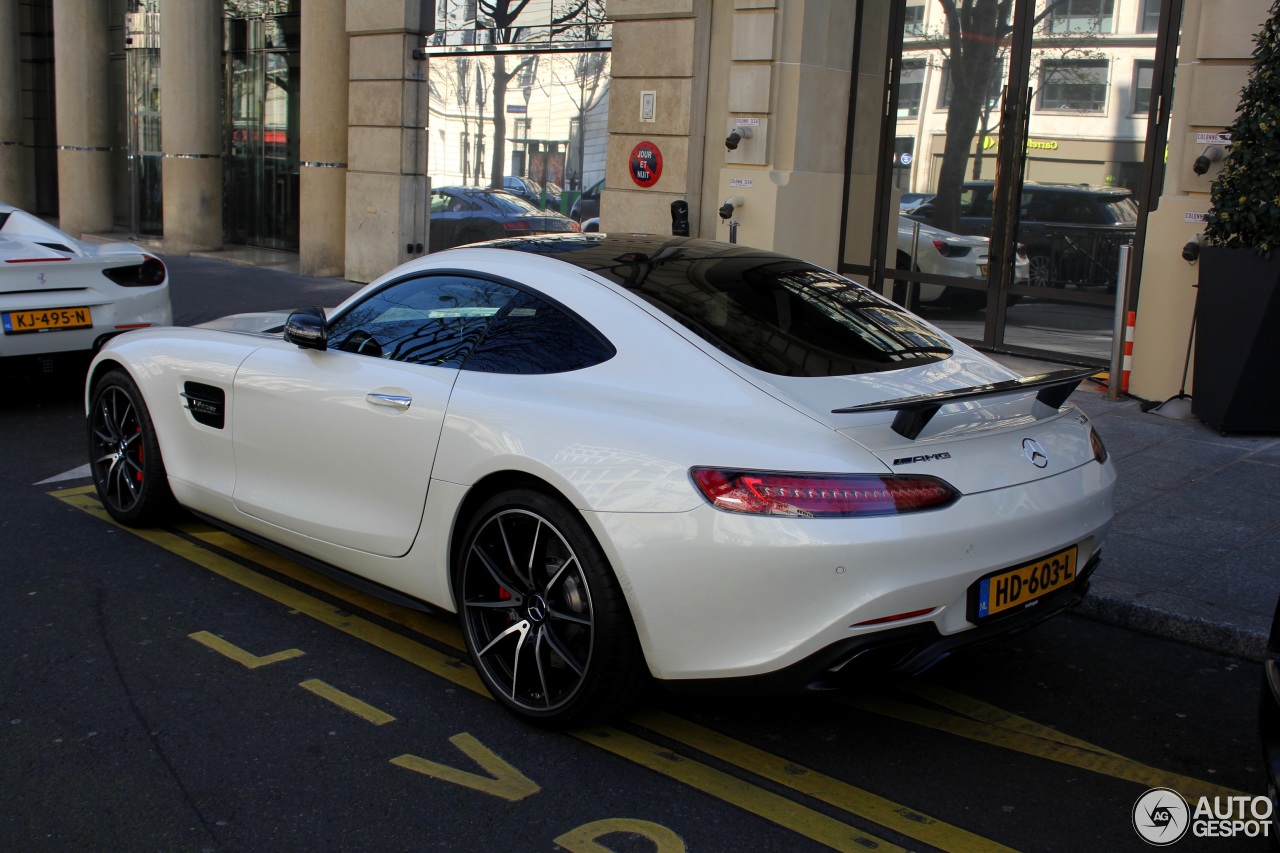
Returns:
point(58, 294)
point(956, 255)
point(625, 456)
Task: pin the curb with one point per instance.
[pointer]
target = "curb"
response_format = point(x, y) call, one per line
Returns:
point(1222, 636)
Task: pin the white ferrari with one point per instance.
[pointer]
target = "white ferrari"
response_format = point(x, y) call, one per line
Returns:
point(618, 457)
point(58, 294)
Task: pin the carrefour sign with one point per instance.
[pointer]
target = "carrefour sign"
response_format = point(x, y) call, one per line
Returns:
point(1042, 144)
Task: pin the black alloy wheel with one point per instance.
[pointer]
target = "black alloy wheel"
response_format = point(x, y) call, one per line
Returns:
point(124, 454)
point(544, 619)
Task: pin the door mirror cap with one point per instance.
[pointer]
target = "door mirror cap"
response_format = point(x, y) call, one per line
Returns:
point(305, 328)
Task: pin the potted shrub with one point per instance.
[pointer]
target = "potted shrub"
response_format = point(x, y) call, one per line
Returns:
point(1238, 306)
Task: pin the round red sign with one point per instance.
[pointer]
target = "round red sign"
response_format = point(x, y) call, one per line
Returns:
point(646, 164)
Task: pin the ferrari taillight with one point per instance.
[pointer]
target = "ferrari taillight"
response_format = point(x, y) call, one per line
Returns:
point(149, 273)
point(820, 495)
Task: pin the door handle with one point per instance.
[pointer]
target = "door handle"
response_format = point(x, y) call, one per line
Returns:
point(392, 401)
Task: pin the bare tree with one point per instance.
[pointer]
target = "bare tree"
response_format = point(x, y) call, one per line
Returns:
point(975, 43)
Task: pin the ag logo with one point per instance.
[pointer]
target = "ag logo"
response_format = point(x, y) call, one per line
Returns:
point(1161, 816)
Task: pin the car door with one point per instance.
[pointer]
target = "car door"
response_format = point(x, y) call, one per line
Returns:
point(338, 445)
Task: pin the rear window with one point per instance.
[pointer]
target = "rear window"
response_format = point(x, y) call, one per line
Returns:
point(786, 317)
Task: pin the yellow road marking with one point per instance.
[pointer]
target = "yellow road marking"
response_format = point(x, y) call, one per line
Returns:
point(503, 780)
point(1104, 763)
point(583, 838)
point(239, 655)
point(818, 785)
point(347, 702)
point(767, 805)
point(435, 627)
point(990, 714)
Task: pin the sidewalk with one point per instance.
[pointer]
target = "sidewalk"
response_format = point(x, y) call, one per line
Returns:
point(1193, 556)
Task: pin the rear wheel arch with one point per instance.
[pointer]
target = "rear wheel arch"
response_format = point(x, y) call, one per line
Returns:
point(482, 491)
point(609, 671)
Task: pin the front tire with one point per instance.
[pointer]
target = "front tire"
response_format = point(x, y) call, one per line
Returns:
point(544, 618)
point(124, 454)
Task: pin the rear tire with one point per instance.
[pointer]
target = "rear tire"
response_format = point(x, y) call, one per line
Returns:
point(543, 616)
point(124, 454)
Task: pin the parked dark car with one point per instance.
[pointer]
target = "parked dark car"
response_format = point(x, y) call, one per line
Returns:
point(534, 192)
point(1073, 232)
point(1269, 723)
point(587, 205)
point(461, 215)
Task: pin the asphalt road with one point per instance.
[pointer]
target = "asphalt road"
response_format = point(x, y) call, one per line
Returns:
point(179, 689)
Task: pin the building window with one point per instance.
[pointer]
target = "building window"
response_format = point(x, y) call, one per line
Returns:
point(1142, 73)
point(1149, 17)
point(1080, 16)
point(911, 88)
point(994, 89)
point(913, 23)
point(1074, 84)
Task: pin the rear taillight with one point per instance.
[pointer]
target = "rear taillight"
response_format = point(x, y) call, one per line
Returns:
point(574, 226)
point(149, 273)
point(820, 495)
point(949, 251)
point(516, 227)
point(1095, 442)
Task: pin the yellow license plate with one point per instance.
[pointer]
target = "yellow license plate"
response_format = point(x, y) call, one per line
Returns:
point(982, 270)
point(17, 322)
point(1017, 587)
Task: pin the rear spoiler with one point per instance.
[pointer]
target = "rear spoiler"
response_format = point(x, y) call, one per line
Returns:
point(914, 413)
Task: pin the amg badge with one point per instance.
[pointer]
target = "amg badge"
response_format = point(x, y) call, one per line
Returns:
point(911, 460)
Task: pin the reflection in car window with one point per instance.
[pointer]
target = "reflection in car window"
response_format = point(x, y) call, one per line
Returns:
point(508, 203)
point(788, 318)
point(433, 320)
point(532, 336)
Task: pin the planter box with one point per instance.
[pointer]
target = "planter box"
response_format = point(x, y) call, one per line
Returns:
point(1237, 366)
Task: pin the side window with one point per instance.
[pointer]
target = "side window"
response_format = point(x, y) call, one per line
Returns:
point(439, 202)
point(433, 320)
point(533, 336)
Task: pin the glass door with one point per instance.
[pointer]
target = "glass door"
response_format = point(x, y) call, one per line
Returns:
point(260, 197)
point(1007, 165)
point(142, 87)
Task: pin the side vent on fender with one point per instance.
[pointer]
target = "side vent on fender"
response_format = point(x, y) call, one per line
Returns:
point(207, 404)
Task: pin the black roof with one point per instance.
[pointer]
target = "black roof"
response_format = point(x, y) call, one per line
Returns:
point(614, 253)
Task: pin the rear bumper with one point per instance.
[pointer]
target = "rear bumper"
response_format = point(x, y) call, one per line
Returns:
point(909, 650)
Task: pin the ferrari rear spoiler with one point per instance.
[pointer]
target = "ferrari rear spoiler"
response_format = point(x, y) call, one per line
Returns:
point(914, 413)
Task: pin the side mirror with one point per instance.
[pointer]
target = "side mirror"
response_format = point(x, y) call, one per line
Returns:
point(305, 328)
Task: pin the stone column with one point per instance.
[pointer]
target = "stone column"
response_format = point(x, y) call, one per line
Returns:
point(659, 47)
point(191, 123)
point(323, 193)
point(14, 162)
point(789, 72)
point(83, 116)
point(386, 204)
point(1214, 59)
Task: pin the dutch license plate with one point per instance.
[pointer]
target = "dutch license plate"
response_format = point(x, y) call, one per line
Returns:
point(1019, 586)
point(982, 270)
point(17, 322)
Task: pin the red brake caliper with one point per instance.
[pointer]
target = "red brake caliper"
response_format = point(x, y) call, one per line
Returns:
point(138, 476)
